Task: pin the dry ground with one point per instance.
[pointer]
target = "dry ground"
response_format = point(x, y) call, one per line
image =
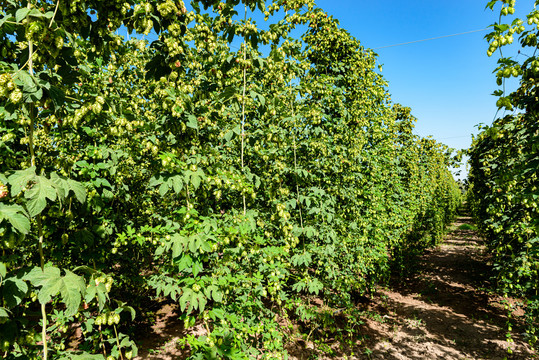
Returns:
point(445, 312)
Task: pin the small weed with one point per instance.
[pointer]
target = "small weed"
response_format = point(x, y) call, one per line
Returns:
point(414, 323)
point(467, 227)
point(368, 352)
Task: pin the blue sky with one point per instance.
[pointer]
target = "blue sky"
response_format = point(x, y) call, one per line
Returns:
point(447, 82)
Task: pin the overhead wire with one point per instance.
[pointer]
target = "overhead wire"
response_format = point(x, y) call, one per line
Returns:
point(429, 39)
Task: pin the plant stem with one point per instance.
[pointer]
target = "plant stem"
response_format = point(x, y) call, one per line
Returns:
point(118, 343)
point(54, 15)
point(296, 165)
point(39, 224)
point(102, 342)
point(243, 110)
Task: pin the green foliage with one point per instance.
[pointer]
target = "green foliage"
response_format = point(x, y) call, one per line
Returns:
point(70, 286)
point(503, 193)
point(16, 216)
point(236, 183)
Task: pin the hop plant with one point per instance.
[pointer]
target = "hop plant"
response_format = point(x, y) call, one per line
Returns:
point(4, 79)
point(59, 42)
point(15, 96)
point(167, 8)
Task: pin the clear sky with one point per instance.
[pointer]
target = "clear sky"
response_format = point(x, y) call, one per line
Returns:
point(447, 82)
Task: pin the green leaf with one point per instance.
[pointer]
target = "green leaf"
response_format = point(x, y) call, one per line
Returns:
point(205, 245)
point(195, 180)
point(48, 279)
point(192, 122)
point(38, 194)
point(217, 313)
point(186, 296)
point(4, 19)
point(78, 189)
point(27, 82)
point(501, 27)
point(72, 292)
point(36, 13)
point(178, 243)
point(4, 313)
point(3, 270)
point(194, 243)
point(64, 185)
point(315, 286)
point(131, 310)
point(163, 189)
point(21, 14)
point(20, 178)
point(193, 302)
point(32, 94)
point(197, 268)
point(14, 291)
point(185, 262)
point(81, 356)
point(177, 184)
point(217, 295)
point(60, 184)
point(57, 96)
point(71, 287)
point(156, 181)
point(299, 286)
point(102, 295)
point(228, 93)
point(301, 259)
point(201, 302)
point(91, 292)
point(16, 216)
point(229, 135)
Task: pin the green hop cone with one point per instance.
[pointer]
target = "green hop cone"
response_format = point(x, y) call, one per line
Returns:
point(59, 42)
point(15, 96)
point(4, 79)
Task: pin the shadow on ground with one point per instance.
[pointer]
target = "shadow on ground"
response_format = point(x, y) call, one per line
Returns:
point(445, 311)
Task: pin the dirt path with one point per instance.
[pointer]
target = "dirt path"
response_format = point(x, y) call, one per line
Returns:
point(443, 313)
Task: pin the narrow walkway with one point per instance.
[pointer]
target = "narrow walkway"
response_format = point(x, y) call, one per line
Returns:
point(445, 312)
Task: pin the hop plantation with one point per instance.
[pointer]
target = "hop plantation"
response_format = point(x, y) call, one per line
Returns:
point(504, 161)
point(238, 169)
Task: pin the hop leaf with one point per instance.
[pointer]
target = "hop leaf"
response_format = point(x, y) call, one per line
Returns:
point(16, 216)
point(71, 287)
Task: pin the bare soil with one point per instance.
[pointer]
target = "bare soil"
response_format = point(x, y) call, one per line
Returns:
point(445, 311)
